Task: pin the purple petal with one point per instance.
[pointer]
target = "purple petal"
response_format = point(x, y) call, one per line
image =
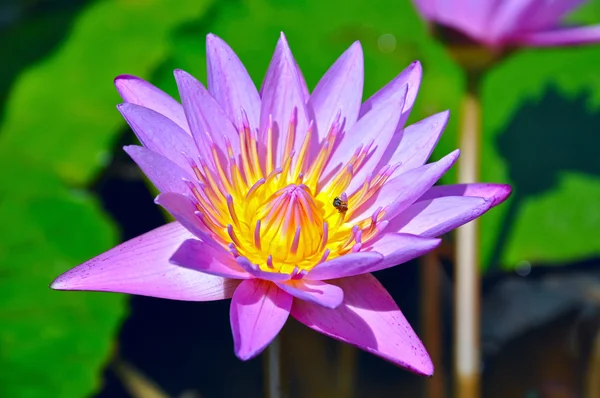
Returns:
point(400, 192)
point(229, 82)
point(346, 265)
point(184, 211)
point(544, 14)
point(259, 310)
point(256, 272)
point(435, 217)
point(159, 133)
point(417, 142)
point(282, 97)
point(329, 296)
point(411, 77)
point(141, 266)
point(340, 89)
point(496, 193)
point(208, 122)
point(375, 130)
point(509, 17)
point(137, 91)
point(369, 319)
point(400, 248)
point(560, 37)
point(197, 255)
point(165, 174)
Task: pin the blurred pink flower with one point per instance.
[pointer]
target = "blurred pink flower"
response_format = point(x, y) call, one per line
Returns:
point(502, 23)
point(286, 201)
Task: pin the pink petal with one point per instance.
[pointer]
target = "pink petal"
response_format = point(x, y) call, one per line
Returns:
point(159, 134)
point(411, 77)
point(417, 142)
point(137, 91)
point(229, 82)
point(375, 130)
point(496, 193)
point(400, 248)
point(369, 319)
point(340, 89)
point(141, 266)
point(282, 98)
point(435, 217)
point(197, 255)
point(256, 272)
point(259, 310)
point(329, 296)
point(509, 17)
point(560, 37)
point(184, 211)
point(544, 14)
point(400, 192)
point(346, 265)
point(165, 174)
point(208, 122)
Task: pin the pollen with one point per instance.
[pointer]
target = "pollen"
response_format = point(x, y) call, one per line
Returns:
point(283, 215)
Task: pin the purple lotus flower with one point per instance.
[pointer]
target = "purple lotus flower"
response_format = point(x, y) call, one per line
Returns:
point(501, 23)
point(286, 201)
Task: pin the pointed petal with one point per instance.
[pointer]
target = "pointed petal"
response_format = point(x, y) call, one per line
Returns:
point(496, 193)
point(340, 89)
point(197, 255)
point(400, 192)
point(229, 82)
point(411, 77)
point(282, 97)
point(329, 296)
point(375, 131)
point(159, 134)
point(346, 265)
point(141, 266)
point(400, 248)
point(560, 37)
point(208, 122)
point(184, 211)
point(370, 320)
point(165, 174)
point(435, 217)
point(258, 311)
point(137, 91)
point(417, 142)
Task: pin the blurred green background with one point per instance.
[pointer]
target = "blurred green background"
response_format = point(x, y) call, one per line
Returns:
point(68, 193)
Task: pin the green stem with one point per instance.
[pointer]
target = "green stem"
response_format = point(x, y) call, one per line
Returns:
point(273, 369)
point(467, 281)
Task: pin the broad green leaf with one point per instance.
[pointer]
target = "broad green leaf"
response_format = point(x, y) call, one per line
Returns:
point(61, 111)
point(539, 108)
point(57, 131)
point(53, 343)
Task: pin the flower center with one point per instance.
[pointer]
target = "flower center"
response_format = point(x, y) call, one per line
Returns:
point(283, 219)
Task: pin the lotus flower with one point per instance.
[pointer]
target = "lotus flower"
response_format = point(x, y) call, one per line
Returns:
point(286, 201)
point(505, 23)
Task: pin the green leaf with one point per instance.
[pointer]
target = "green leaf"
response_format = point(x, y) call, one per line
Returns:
point(52, 342)
point(539, 108)
point(60, 112)
point(58, 128)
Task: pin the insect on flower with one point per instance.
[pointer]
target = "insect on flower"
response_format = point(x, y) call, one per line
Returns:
point(340, 204)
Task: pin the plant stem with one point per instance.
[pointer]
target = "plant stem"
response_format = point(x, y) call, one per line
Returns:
point(432, 325)
point(346, 370)
point(467, 283)
point(273, 369)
